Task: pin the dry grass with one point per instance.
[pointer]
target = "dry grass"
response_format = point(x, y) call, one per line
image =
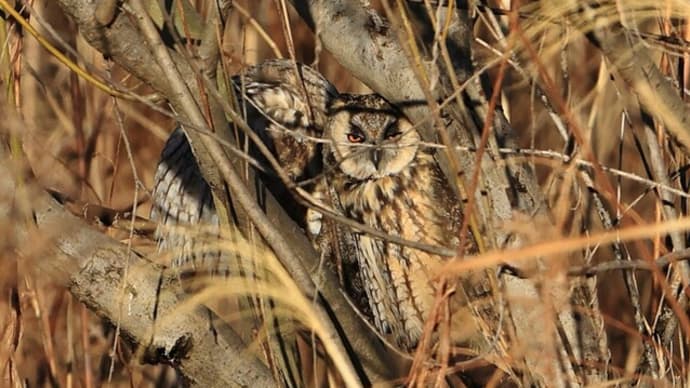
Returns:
point(70, 135)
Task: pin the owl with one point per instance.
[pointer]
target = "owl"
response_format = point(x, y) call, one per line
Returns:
point(378, 174)
point(360, 157)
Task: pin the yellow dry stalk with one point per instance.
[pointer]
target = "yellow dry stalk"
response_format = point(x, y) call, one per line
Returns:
point(5, 6)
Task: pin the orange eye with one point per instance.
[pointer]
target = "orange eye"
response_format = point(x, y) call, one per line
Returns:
point(354, 137)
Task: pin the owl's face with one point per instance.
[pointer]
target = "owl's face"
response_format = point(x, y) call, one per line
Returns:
point(370, 138)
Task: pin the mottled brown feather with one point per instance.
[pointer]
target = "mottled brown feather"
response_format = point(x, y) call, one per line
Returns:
point(402, 192)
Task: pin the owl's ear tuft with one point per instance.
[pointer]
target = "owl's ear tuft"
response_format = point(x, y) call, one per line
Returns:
point(337, 105)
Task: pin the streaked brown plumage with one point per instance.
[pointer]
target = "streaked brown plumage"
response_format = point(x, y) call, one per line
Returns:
point(286, 103)
point(381, 177)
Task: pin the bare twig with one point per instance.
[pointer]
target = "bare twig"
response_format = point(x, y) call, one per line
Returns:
point(625, 265)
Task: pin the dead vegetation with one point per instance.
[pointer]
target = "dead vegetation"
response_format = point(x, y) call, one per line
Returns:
point(581, 201)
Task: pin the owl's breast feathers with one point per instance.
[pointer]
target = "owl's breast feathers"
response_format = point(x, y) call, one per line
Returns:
point(418, 205)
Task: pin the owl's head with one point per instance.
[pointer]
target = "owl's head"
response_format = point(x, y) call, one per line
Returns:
point(370, 139)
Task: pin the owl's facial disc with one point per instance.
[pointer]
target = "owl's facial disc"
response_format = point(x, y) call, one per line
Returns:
point(396, 148)
point(371, 143)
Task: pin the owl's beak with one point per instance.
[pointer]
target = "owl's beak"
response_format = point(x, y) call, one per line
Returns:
point(375, 157)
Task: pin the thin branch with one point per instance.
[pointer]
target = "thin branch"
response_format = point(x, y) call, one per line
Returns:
point(332, 341)
point(625, 265)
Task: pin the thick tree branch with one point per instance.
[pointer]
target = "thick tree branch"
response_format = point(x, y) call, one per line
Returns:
point(126, 289)
point(629, 57)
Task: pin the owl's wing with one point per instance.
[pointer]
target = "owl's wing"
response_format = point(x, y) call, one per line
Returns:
point(286, 104)
point(181, 196)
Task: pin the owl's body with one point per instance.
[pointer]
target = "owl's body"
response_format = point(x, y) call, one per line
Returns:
point(382, 178)
point(399, 280)
point(369, 166)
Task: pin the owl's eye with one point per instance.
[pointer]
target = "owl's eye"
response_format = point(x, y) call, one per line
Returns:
point(392, 132)
point(393, 135)
point(355, 136)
